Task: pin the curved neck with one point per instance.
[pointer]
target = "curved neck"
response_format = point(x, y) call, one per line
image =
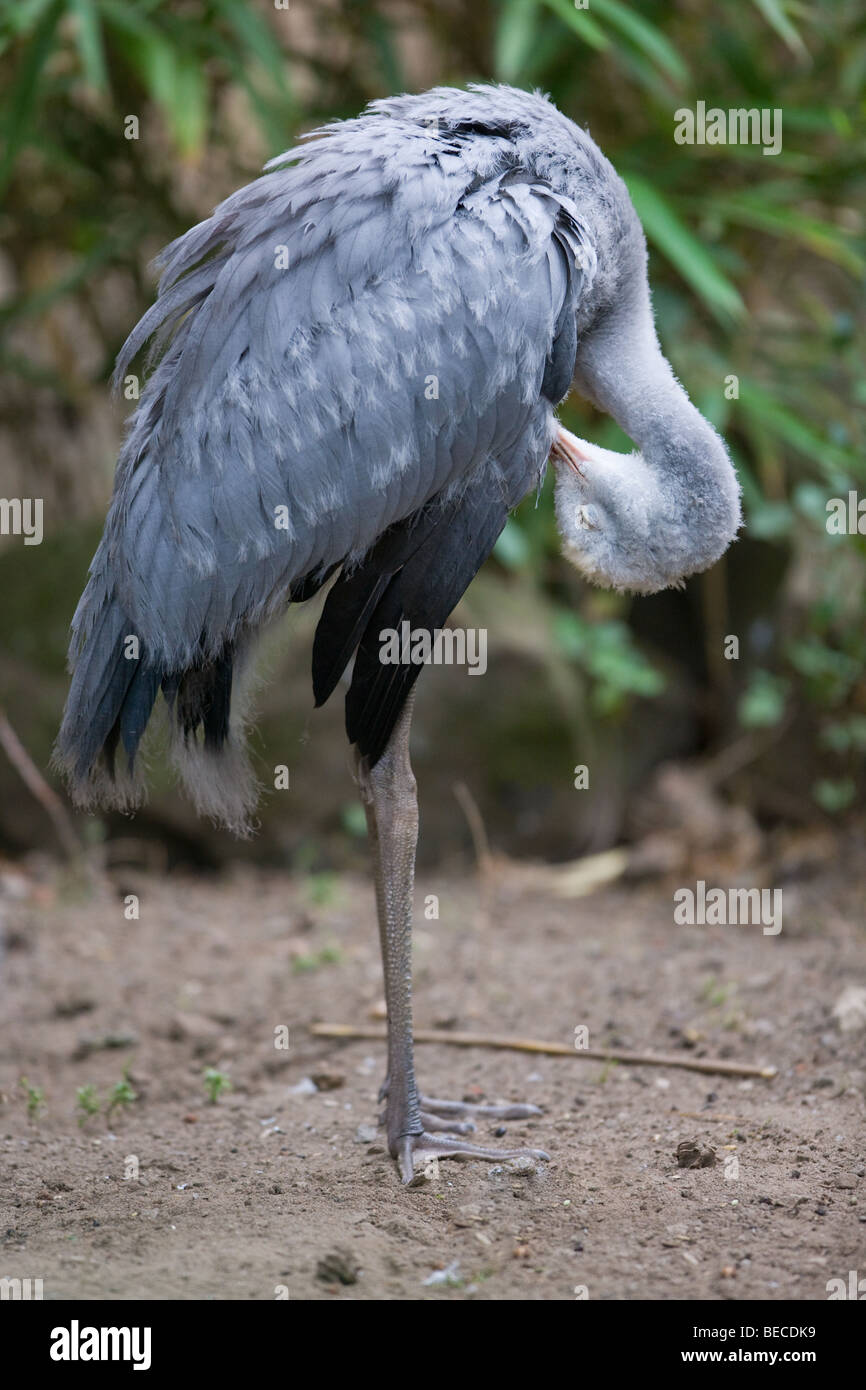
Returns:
point(623, 371)
point(674, 506)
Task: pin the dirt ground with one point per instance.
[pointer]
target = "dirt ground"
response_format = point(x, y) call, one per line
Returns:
point(282, 1189)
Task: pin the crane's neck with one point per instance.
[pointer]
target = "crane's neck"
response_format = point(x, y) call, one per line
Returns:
point(672, 508)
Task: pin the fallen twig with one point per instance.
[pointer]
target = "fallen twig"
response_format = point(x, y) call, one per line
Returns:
point(714, 1119)
point(469, 807)
point(715, 1066)
point(45, 795)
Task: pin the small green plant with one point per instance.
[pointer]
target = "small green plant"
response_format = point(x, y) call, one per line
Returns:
point(322, 887)
point(715, 992)
point(216, 1083)
point(121, 1094)
point(35, 1098)
point(328, 955)
point(87, 1102)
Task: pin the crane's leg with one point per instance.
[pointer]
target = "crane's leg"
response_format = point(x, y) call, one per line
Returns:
point(391, 805)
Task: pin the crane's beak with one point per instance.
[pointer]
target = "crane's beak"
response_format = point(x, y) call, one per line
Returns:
point(569, 451)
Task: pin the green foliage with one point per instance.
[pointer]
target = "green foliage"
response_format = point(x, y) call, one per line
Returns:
point(314, 960)
point(87, 1102)
point(121, 1094)
point(216, 1084)
point(35, 1098)
point(94, 52)
point(605, 652)
point(762, 704)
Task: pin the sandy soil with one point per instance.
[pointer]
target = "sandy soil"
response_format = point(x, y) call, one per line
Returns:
point(270, 1189)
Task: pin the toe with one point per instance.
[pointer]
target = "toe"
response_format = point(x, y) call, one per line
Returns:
point(467, 1110)
point(413, 1151)
point(432, 1121)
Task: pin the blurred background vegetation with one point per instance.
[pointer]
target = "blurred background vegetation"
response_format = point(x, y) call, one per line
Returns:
point(757, 267)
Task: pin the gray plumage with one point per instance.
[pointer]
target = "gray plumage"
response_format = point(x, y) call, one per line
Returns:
point(375, 331)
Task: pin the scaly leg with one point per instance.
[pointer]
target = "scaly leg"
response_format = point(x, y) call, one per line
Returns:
point(391, 806)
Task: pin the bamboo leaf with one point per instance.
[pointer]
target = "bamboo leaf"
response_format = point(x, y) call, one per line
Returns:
point(791, 428)
point(645, 36)
point(515, 35)
point(792, 225)
point(580, 23)
point(22, 104)
point(186, 104)
point(255, 37)
point(775, 16)
point(670, 235)
point(88, 37)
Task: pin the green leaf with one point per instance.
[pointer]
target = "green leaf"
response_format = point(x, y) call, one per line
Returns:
point(187, 107)
point(757, 401)
point(174, 80)
point(580, 23)
point(20, 18)
point(88, 37)
point(21, 109)
point(835, 796)
point(255, 37)
point(646, 37)
point(762, 704)
point(681, 247)
point(789, 223)
point(776, 17)
point(515, 36)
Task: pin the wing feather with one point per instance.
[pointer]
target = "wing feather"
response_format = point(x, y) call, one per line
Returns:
point(367, 328)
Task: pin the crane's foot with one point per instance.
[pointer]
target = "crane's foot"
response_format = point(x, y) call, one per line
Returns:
point(443, 1121)
point(414, 1151)
point(458, 1116)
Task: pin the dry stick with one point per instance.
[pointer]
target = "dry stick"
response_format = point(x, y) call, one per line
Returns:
point(714, 1119)
point(32, 778)
point(633, 1059)
point(469, 807)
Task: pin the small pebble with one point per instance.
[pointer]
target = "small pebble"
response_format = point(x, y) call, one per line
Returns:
point(450, 1276)
point(523, 1164)
point(327, 1080)
point(305, 1087)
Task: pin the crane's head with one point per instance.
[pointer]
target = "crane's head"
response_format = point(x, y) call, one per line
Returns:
point(645, 521)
